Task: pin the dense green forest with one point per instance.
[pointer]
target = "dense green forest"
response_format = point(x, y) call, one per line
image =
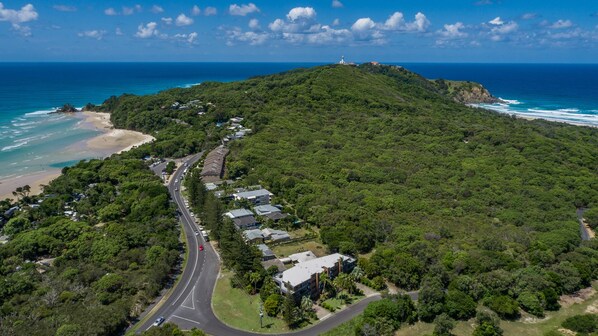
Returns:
point(446, 196)
point(467, 205)
point(107, 265)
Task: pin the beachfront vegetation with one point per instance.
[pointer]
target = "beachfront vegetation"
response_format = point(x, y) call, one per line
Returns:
point(101, 270)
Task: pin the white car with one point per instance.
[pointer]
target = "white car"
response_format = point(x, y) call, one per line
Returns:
point(159, 321)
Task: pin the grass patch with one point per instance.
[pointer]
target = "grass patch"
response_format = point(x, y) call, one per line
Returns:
point(334, 303)
point(347, 328)
point(285, 250)
point(240, 310)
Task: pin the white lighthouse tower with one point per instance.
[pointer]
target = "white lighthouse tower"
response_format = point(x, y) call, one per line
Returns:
point(342, 60)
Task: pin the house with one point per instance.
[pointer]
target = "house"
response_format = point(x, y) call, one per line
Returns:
point(8, 213)
point(276, 216)
point(236, 119)
point(253, 236)
point(257, 197)
point(242, 218)
point(267, 254)
point(303, 279)
point(213, 166)
point(276, 235)
point(265, 209)
point(238, 213)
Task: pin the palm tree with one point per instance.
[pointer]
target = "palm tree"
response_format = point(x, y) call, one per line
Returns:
point(254, 278)
point(326, 285)
point(357, 273)
point(344, 282)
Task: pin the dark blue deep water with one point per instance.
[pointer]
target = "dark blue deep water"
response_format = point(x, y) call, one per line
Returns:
point(30, 138)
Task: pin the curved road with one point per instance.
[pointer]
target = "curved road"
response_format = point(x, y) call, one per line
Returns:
point(189, 305)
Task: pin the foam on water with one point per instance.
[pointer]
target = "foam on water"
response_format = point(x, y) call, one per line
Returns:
point(568, 115)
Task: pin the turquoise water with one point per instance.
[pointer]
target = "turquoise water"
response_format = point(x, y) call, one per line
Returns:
point(32, 140)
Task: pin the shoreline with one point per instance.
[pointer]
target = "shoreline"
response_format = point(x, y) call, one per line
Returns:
point(499, 108)
point(109, 141)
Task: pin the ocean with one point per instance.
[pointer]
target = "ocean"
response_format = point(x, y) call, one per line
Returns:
point(32, 140)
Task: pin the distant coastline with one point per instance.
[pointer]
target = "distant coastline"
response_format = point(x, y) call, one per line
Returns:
point(108, 142)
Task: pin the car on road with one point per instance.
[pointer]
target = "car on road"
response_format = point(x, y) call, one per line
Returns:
point(176, 181)
point(196, 233)
point(176, 189)
point(158, 321)
point(201, 247)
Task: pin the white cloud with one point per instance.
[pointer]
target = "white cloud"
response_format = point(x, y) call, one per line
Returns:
point(301, 13)
point(110, 11)
point(254, 24)
point(253, 38)
point(453, 31)
point(183, 20)
point(506, 28)
point(65, 8)
point(420, 24)
point(243, 10)
point(337, 4)
point(147, 31)
point(118, 32)
point(131, 10)
point(561, 24)
point(496, 21)
point(209, 11)
point(336, 22)
point(125, 10)
point(25, 14)
point(363, 24)
point(167, 20)
point(397, 22)
point(23, 30)
point(277, 25)
point(94, 34)
point(190, 38)
point(328, 35)
point(195, 11)
point(157, 9)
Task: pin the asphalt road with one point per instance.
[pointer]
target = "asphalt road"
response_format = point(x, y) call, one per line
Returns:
point(585, 235)
point(190, 303)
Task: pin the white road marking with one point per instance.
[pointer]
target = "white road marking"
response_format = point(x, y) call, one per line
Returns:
point(192, 300)
point(186, 319)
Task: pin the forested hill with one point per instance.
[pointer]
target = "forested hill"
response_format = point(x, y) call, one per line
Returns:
point(383, 159)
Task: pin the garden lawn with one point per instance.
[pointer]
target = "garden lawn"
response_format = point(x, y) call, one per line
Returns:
point(240, 310)
point(285, 250)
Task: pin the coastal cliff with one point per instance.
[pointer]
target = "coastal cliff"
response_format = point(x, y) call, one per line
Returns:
point(466, 92)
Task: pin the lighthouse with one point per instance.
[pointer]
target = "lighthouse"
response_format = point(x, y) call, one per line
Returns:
point(342, 60)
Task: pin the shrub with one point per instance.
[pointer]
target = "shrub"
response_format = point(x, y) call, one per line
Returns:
point(585, 323)
point(504, 306)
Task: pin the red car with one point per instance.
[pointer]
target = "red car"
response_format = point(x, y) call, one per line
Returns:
point(201, 247)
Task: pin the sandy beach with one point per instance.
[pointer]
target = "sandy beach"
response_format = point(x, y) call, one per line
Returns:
point(110, 141)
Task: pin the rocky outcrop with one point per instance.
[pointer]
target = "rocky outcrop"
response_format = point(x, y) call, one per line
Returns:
point(66, 108)
point(466, 92)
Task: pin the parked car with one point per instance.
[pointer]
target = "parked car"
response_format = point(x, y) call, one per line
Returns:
point(201, 247)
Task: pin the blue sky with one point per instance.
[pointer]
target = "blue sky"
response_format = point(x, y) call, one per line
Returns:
point(319, 31)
